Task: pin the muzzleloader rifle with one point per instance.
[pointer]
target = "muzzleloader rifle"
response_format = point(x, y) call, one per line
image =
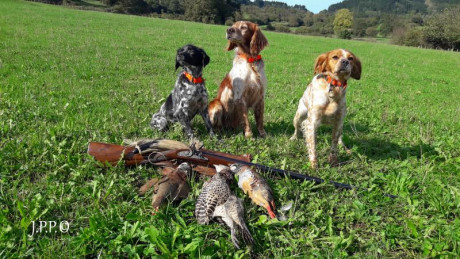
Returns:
point(161, 152)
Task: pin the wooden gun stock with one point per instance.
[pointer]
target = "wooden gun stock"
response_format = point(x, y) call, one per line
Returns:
point(113, 153)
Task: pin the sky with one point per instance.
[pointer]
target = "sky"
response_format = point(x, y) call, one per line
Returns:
point(312, 5)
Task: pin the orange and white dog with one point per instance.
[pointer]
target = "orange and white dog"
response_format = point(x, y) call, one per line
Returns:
point(324, 100)
point(243, 88)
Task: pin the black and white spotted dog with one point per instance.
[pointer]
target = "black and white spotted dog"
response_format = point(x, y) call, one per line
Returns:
point(189, 96)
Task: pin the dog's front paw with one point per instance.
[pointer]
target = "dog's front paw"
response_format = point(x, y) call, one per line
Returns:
point(159, 123)
point(294, 137)
point(314, 164)
point(248, 134)
point(212, 134)
point(262, 133)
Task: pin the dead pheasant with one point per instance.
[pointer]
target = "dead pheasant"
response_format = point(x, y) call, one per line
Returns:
point(217, 201)
point(215, 192)
point(232, 214)
point(173, 185)
point(255, 186)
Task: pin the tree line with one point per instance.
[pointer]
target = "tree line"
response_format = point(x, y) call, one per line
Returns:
point(421, 23)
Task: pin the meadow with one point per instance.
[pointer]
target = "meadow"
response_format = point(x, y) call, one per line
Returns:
point(68, 77)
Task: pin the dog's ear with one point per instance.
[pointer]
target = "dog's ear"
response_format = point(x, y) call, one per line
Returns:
point(321, 63)
point(258, 40)
point(230, 46)
point(180, 58)
point(206, 59)
point(356, 70)
point(177, 64)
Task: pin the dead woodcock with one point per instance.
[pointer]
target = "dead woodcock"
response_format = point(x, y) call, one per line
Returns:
point(255, 186)
point(173, 185)
point(217, 201)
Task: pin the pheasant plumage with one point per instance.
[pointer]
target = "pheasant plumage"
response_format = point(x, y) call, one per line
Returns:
point(216, 201)
point(173, 185)
point(215, 192)
point(232, 214)
point(256, 187)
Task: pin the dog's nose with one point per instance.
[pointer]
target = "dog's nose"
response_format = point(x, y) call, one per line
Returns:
point(345, 62)
point(231, 30)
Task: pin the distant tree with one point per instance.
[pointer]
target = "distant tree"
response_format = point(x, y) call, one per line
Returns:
point(109, 2)
point(414, 37)
point(388, 23)
point(443, 30)
point(320, 17)
point(200, 11)
point(294, 20)
point(134, 6)
point(417, 19)
point(343, 23)
point(174, 6)
point(308, 19)
point(398, 36)
point(270, 27)
point(259, 3)
point(359, 27)
point(229, 21)
point(345, 34)
point(210, 11)
point(372, 31)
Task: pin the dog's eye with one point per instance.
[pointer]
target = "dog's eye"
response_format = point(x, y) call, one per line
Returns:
point(335, 57)
point(350, 58)
point(244, 27)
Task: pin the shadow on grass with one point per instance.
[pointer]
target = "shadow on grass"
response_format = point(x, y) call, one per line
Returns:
point(381, 149)
point(279, 128)
point(374, 148)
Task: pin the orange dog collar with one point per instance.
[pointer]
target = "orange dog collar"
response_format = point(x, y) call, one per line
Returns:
point(334, 82)
point(190, 78)
point(251, 59)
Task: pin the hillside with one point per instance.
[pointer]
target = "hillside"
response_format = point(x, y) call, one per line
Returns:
point(68, 77)
point(361, 7)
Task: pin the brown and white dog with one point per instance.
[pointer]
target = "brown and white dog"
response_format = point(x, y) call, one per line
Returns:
point(243, 88)
point(324, 100)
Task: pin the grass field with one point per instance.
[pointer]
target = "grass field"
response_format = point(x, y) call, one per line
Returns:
point(68, 77)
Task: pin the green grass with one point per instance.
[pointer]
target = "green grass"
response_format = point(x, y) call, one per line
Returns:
point(68, 77)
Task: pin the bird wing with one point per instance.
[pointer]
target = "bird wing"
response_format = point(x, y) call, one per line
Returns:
point(183, 191)
point(213, 194)
point(167, 170)
point(149, 184)
point(162, 181)
point(235, 209)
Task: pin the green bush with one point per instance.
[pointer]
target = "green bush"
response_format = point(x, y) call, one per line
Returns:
point(372, 31)
point(345, 34)
point(414, 37)
point(398, 36)
point(270, 27)
point(229, 22)
point(282, 28)
point(443, 30)
point(303, 30)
